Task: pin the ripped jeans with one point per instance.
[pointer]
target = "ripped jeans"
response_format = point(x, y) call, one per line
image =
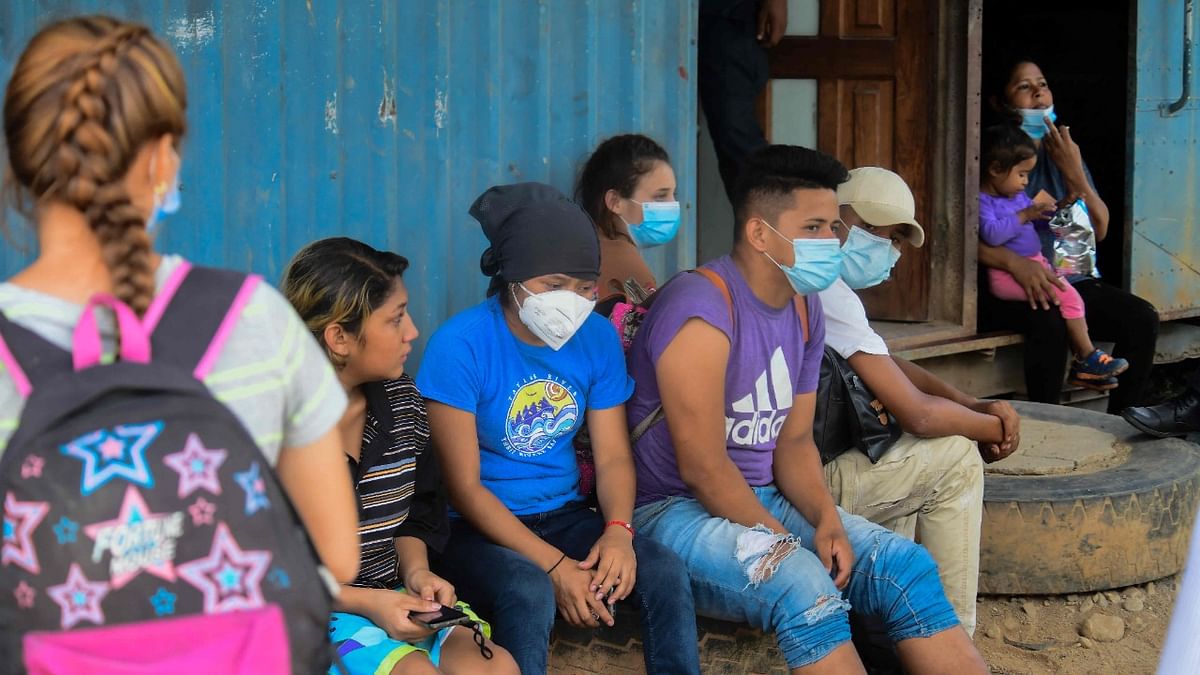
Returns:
point(893, 579)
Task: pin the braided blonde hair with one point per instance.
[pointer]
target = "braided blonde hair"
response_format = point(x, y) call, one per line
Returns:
point(85, 97)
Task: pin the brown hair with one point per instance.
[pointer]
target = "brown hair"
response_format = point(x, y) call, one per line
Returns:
point(617, 164)
point(85, 96)
point(340, 280)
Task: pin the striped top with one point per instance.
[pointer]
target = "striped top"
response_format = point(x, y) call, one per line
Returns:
point(271, 373)
point(397, 480)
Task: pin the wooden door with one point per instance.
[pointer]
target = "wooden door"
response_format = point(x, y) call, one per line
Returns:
point(873, 61)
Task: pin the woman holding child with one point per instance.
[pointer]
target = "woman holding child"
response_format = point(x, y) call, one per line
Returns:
point(1018, 93)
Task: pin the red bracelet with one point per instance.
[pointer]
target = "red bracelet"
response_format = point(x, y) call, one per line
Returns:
point(623, 524)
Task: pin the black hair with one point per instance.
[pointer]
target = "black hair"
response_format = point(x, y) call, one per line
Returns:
point(997, 71)
point(340, 280)
point(618, 164)
point(771, 174)
point(1003, 146)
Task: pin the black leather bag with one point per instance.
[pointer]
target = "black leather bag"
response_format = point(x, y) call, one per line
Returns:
point(848, 416)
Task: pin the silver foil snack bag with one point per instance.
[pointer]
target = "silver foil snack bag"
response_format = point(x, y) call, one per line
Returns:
point(1074, 241)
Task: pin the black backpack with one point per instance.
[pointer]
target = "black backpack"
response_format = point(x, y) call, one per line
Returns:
point(847, 415)
point(144, 530)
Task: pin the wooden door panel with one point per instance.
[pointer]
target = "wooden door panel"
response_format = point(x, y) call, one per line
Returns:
point(874, 69)
point(856, 121)
point(858, 18)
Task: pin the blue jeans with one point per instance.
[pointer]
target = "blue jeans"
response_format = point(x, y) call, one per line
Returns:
point(516, 596)
point(893, 579)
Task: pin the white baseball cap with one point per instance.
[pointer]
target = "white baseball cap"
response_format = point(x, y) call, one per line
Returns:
point(881, 197)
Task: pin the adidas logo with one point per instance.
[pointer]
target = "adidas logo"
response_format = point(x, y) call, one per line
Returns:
point(757, 416)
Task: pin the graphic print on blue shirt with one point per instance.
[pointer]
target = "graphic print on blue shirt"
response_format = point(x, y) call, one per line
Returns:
point(540, 411)
point(528, 400)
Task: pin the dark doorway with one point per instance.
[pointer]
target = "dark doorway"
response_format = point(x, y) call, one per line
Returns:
point(1082, 46)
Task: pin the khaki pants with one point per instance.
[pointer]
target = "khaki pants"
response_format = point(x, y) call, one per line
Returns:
point(927, 489)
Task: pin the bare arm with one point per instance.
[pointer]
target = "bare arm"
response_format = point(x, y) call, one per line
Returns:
point(799, 476)
point(612, 555)
point(691, 377)
point(454, 434)
point(932, 384)
point(1065, 154)
point(614, 462)
point(387, 609)
point(1039, 283)
point(797, 467)
point(458, 449)
point(318, 482)
point(919, 413)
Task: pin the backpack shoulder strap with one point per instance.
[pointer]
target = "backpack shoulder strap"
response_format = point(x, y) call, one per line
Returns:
point(801, 301)
point(28, 357)
point(194, 313)
point(721, 286)
point(802, 311)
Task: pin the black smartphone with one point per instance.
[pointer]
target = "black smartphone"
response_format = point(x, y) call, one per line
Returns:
point(439, 619)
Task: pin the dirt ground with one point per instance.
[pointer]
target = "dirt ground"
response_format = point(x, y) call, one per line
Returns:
point(1032, 635)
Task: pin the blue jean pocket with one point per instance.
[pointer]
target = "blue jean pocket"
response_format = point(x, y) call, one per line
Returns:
point(645, 515)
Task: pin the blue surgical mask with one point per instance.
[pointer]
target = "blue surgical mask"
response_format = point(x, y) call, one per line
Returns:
point(867, 260)
point(1033, 121)
point(818, 263)
point(167, 205)
point(660, 223)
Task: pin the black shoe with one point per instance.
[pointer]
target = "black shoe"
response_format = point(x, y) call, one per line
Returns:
point(1176, 417)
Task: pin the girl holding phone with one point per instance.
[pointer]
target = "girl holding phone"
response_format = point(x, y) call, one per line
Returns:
point(397, 616)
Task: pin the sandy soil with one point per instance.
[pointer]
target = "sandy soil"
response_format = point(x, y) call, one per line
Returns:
point(1031, 635)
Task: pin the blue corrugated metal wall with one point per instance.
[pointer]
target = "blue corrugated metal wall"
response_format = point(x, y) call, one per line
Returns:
point(382, 120)
point(1164, 247)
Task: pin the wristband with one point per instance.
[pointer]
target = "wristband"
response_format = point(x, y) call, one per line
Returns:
point(621, 523)
point(564, 557)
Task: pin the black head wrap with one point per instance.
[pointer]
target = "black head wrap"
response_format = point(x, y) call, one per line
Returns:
point(533, 230)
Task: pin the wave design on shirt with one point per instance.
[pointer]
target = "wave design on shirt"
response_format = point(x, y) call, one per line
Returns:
point(541, 412)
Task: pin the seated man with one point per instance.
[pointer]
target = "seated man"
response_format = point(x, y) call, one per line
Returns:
point(732, 481)
point(929, 484)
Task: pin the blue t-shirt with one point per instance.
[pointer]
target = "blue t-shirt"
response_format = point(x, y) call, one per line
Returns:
point(528, 401)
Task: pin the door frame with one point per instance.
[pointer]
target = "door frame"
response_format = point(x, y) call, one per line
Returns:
point(952, 192)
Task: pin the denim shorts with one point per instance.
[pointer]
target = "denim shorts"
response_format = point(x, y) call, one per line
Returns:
point(893, 579)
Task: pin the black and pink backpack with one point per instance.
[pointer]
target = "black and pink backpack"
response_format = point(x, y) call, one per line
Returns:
point(144, 531)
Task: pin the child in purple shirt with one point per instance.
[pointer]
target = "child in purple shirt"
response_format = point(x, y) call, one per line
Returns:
point(1005, 219)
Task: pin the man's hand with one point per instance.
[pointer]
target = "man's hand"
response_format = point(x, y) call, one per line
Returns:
point(1038, 281)
point(1010, 422)
point(572, 593)
point(772, 22)
point(614, 563)
point(833, 548)
point(390, 610)
point(429, 586)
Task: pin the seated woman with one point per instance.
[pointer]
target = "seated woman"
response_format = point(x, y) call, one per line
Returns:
point(353, 300)
point(627, 186)
point(1018, 91)
point(509, 382)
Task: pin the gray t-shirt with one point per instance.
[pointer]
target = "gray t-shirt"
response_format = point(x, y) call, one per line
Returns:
point(271, 373)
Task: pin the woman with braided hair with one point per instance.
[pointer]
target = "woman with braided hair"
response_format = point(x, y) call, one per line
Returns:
point(93, 117)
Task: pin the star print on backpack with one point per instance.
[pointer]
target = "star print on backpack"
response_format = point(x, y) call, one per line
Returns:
point(144, 530)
